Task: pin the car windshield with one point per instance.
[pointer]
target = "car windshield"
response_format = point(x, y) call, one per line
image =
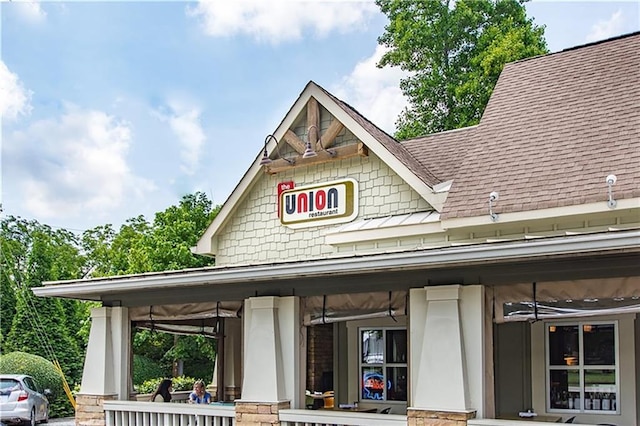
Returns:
point(9, 384)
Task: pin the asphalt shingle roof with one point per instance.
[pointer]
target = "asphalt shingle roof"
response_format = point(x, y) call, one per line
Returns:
point(554, 128)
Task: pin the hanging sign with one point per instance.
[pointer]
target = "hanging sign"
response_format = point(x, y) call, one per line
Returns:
point(320, 204)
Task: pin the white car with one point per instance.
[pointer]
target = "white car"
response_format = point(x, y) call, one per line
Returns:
point(22, 400)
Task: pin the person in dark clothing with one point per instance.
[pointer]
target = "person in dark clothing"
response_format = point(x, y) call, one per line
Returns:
point(163, 393)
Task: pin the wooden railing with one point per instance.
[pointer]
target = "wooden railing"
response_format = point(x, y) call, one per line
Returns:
point(176, 396)
point(134, 413)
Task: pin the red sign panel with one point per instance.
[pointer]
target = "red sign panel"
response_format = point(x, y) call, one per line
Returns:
point(284, 186)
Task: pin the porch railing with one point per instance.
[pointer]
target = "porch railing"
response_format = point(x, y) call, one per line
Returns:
point(324, 417)
point(136, 413)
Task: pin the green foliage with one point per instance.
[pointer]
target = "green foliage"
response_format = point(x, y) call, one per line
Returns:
point(198, 353)
point(181, 383)
point(33, 253)
point(454, 52)
point(143, 247)
point(145, 369)
point(45, 375)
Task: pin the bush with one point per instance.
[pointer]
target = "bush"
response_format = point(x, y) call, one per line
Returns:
point(145, 369)
point(46, 376)
point(181, 383)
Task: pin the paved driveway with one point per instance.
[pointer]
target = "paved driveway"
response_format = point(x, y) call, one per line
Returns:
point(69, 421)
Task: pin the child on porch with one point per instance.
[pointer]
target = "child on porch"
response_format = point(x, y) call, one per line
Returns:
point(199, 394)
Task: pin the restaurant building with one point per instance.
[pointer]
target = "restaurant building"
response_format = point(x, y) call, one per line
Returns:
point(454, 278)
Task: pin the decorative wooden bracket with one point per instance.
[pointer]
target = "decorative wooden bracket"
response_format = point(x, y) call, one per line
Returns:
point(342, 152)
point(319, 143)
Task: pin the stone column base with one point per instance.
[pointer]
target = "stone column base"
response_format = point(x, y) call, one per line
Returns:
point(90, 411)
point(422, 417)
point(259, 413)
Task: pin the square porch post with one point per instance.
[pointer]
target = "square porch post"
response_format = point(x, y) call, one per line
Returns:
point(447, 355)
point(273, 363)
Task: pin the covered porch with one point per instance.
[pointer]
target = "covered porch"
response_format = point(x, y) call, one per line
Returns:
point(443, 298)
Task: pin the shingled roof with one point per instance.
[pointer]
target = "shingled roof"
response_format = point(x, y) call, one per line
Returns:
point(391, 144)
point(442, 153)
point(554, 128)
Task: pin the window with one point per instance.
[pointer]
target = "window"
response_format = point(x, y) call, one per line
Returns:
point(582, 367)
point(383, 364)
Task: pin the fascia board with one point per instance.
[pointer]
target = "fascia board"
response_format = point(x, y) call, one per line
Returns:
point(400, 231)
point(426, 192)
point(542, 214)
point(432, 258)
point(205, 244)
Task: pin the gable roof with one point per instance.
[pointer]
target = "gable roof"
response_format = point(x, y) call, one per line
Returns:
point(377, 141)
point(391, 144)
point(554, 128)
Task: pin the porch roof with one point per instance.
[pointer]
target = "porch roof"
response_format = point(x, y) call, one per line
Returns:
point(568, 257)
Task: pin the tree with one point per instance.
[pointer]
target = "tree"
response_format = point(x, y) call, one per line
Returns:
point(163, 245)
point(454, 52)
point(33, 253)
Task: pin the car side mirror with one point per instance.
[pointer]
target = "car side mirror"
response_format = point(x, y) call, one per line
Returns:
point(47, 392)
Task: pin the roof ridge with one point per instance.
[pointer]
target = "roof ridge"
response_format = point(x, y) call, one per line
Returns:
point(458, 129)
point(580, 46)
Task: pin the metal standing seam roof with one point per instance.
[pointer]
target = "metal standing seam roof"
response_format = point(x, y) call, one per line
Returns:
point(389, 221)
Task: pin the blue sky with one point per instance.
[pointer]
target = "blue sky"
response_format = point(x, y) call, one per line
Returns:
point(115, 109)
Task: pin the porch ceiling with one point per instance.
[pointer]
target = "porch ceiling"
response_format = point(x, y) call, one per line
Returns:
point(577, 257)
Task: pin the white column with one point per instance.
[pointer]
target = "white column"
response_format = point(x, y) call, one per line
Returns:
point(121, 343)
point(294, 350)
point(97, 376)
point(271, 350)
point(437, 355)
point(263, 376)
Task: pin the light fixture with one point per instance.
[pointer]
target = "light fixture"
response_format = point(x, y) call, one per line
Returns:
point(309, 152)
point(265, 155)
point(492, 198)
point(611, 180)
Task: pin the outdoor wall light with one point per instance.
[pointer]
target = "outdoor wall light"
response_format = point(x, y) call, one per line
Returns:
point(309, 152)
point(265, 155)
point(493, 197)
point(611, 180)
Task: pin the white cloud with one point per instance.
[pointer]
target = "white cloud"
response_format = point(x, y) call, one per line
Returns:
point(15, 100)
point(374, 92)
point(30, 10)
point(275, 21)
point(604, 29)
point(184, 121)
point(73, 167)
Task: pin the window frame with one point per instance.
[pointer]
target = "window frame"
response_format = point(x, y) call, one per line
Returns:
point(581, 367)
point(383, 365)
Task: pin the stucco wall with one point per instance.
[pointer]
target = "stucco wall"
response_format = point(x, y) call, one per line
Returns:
point(255, 235)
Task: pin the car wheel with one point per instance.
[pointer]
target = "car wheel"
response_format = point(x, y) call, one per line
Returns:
point(46, 417)
point(32, 418)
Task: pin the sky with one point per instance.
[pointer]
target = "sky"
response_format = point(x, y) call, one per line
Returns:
point(111, 110)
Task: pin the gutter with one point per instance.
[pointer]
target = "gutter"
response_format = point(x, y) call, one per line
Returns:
point(430, 258)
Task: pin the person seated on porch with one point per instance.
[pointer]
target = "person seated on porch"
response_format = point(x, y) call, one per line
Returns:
point(199, 394)
point(163, 393)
